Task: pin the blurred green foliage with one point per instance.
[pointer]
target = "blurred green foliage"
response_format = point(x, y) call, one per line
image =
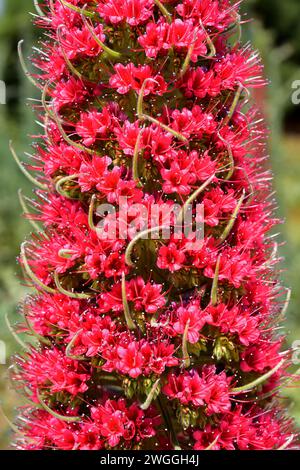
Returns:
point(276, 33)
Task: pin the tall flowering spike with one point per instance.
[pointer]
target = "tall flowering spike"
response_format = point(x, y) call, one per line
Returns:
point(143, 338)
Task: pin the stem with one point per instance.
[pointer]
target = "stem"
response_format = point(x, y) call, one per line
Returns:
point(126, 308)
point(164, 11)
point(232, 220)
point(192, 198)
point(72, 295)
point(31, 274)
point(140, 235)
point(185, 354)
point(70, 346)
point(26, 211)
point(168, 422)
point(63, 180)
point(31, 178)
point(151, 395)
point(214, 289)
point(108, 50)
point(14, 334)
point(24, 67)
point(68, 419)
point(87, 13)
point(256, 382)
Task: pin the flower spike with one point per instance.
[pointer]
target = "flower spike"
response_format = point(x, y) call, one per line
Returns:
point(149, 338)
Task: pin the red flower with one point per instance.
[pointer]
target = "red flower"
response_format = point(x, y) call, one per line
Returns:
point(133, 11)
point(93, 124)
point(171, 258)
point(128, 77)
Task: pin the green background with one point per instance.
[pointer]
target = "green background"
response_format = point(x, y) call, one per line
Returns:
point(275, 32)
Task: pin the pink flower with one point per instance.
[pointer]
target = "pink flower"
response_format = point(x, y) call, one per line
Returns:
point(194, 317)
point(206, 389)
point(170, 257)
point(133, 12)
point(92, 125)
point(128, 77)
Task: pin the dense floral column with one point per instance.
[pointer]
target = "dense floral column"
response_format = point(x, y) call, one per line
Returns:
point(142, 342)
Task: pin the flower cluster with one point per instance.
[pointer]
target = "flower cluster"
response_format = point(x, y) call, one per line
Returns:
point(150, 342)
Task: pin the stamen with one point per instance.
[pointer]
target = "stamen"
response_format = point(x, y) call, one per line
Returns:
point(287, 443)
